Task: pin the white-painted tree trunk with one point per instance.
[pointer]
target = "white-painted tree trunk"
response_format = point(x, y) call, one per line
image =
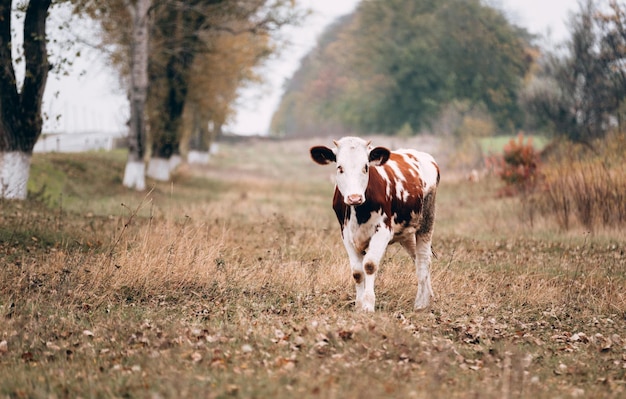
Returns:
point(135, 175)
point(175, 161)
point(198, 157)
point(14, 172)
point(161, 168)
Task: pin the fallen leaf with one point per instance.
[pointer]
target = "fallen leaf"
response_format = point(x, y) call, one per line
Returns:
point(345, 334)
point(232, 389)
point(603, 343)
point(579, 337)
point(196, 357)
point(53, 346)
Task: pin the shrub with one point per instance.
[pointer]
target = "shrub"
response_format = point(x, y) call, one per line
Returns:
point(518, 166)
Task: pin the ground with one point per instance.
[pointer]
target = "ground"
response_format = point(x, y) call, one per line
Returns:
point(232, 282)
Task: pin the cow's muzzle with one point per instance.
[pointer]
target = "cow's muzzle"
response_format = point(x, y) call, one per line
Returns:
point(354, 199)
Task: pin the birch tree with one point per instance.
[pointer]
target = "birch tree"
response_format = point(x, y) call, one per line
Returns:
point(20, 105)
point(135, 172)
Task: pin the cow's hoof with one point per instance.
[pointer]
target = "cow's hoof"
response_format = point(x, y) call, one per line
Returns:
point(367, 302)
point(367, 309)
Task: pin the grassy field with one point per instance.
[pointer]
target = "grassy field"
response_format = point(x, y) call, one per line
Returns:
point(494, 145)
point(232, 282)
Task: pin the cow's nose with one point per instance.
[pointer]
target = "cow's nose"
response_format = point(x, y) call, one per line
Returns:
point(354, 199)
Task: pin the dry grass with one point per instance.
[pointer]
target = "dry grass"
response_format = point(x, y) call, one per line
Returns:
point(233, 282)
point(586, 194)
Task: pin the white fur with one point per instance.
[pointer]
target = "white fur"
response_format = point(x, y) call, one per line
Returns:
point(352, 156)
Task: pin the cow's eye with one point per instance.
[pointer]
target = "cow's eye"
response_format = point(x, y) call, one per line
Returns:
point(339, 169)
point(365, 169)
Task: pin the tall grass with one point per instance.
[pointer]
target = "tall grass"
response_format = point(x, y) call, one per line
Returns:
point(586, 187)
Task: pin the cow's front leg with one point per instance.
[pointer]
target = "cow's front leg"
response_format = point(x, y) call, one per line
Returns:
point(356, 266)
point(371, 262)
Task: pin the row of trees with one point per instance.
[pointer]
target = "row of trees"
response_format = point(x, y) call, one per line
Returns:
point(396, 63)
point(182, 63)
point(398, 66)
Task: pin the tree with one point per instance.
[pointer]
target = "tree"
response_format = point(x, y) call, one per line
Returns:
point(397, 63)
point(212, 96)
point(183, 31)
point(134, 173)
point(20, 107)
point(578, 93)
point(305, 106)
point(126, 25)
point(179, 32)
point(488, 57)
point(613, 50)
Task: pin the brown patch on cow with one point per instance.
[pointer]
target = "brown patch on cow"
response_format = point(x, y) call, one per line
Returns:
point(404, 208)
point(358, 277)
point(342, 211)
point(363, 246)
point(405, 169)
point(411, 156)
point(370, 268)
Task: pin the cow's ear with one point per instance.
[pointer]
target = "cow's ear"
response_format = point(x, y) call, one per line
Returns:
point(379, 155)
point(323, 155)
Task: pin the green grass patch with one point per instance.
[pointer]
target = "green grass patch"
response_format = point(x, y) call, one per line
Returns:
point(496, 144)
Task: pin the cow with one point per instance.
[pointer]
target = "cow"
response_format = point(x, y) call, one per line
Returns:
point(382, 197)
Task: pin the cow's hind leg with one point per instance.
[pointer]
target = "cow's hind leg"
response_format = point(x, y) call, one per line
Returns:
point(422, 268)
point(419, 250)
point(423, 251)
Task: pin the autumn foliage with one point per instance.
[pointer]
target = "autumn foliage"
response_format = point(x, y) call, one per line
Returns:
point(517, 166)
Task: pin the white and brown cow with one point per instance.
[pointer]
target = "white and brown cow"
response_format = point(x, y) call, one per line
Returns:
point(382, 197)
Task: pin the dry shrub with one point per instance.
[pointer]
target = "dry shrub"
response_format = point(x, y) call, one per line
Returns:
point(586, 186)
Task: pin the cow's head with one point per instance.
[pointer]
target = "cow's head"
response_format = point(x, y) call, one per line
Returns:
point(353, 156)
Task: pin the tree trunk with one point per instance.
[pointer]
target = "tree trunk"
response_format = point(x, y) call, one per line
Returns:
point(14, 171)
point(134, 174)
point(166, 141)
point(20, 111)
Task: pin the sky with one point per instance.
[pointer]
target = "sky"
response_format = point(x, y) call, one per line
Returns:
point(89, 96)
